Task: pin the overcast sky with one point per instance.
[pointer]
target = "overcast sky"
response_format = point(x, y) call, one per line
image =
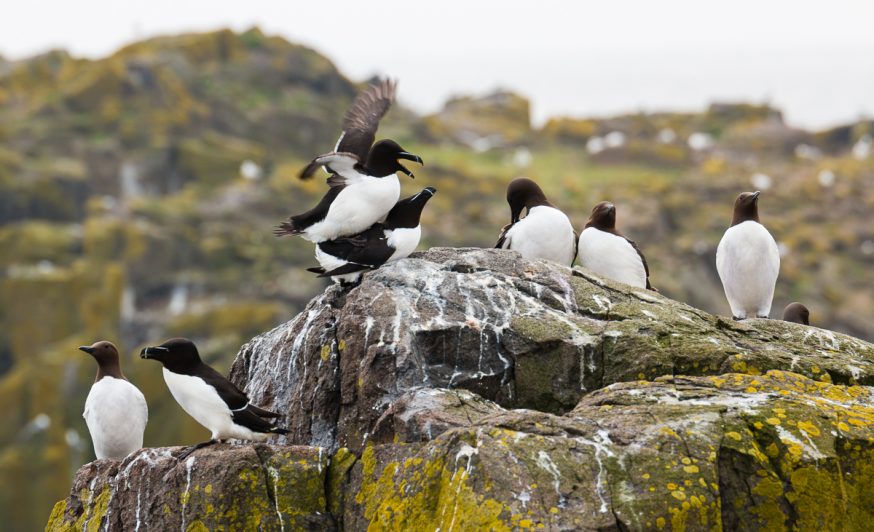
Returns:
point(813, 59)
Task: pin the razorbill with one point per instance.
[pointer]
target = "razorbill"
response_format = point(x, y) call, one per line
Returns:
point(748, 261)
point(605, 251)
point(208, 397)
point(115, 410)
point(796, 313)
point(544, 233)
point(343, 259)
point(363, 182)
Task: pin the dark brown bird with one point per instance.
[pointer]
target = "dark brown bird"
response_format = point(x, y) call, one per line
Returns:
point(796, 313)
point(607, 252)
point(115, 410)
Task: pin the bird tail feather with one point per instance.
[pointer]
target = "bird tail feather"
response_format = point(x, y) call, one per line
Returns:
point(288, 227)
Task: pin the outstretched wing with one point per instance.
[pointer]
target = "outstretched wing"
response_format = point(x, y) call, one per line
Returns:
point(337, 163)
point(362, 119)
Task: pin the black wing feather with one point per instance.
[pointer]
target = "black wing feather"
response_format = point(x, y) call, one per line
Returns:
point(368, 249)
point(577, 250)
point(296, 225)
point(230, 394)
point(503, 236)
point(362, 119)
point(347, 268)
point(249, 418)
point(243, 413)
point(642, 259)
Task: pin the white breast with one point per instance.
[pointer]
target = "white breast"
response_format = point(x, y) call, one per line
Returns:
point(545, 233)
point(363, 202)
point(748, 262)
point(203, 403)
point(116, 414)
point(611, 256)
point(404, 240)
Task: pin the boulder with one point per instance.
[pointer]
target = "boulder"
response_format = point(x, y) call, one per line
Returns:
point(523, 334)
point(474, 389)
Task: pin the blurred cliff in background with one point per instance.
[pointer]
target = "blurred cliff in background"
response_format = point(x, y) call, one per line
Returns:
point(138, 193)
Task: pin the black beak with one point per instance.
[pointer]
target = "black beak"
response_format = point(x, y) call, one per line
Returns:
point(88, 349)
point(410, 157)
point(149, 352)
point(756, 194)
point(406, 171)
point(515, 213)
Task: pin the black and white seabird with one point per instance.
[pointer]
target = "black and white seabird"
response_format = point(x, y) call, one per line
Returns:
point(363, 184)
point(748, 261)
point(607, 252)
point(796, 313)
point(544, 233)
point(115, 410)
point(208, 397)
point(343, 259)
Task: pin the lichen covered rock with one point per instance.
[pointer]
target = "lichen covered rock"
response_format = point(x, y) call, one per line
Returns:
point(523, 334)
point(262, 487)
point(473, 389)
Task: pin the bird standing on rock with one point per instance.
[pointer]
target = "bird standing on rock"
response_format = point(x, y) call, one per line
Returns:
point(748, 261)
point(208, 397)
point(363, 184)
point(607, 252)
point(345, 258)
point(544, 233)
point(115, 410)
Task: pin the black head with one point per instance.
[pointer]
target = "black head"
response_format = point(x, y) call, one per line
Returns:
point(523, 193)
point(746, 208)
point(603, 217)
point(106, 355)
point(407, 212)
point(383, 159)
point(796, 313)
point(177, 354)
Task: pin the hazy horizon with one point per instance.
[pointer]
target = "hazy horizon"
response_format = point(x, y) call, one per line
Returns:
point(590, 61)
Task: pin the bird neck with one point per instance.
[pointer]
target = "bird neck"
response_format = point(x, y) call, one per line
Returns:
point(109, 369)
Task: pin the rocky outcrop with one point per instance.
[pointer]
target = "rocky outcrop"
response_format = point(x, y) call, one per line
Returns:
point(519, 333)
point(464, 389)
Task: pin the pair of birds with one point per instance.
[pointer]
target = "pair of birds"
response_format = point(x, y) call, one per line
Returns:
point(116, 411)
point(359, 224)
point(546, 233)
point(747, 258)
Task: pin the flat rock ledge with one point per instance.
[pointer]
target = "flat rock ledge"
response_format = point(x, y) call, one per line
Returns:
point(466, 389)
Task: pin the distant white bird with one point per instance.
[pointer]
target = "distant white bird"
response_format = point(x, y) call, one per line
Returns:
point(748, 261)
point(115, 410)
point(607, 252)
point(544, 233)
